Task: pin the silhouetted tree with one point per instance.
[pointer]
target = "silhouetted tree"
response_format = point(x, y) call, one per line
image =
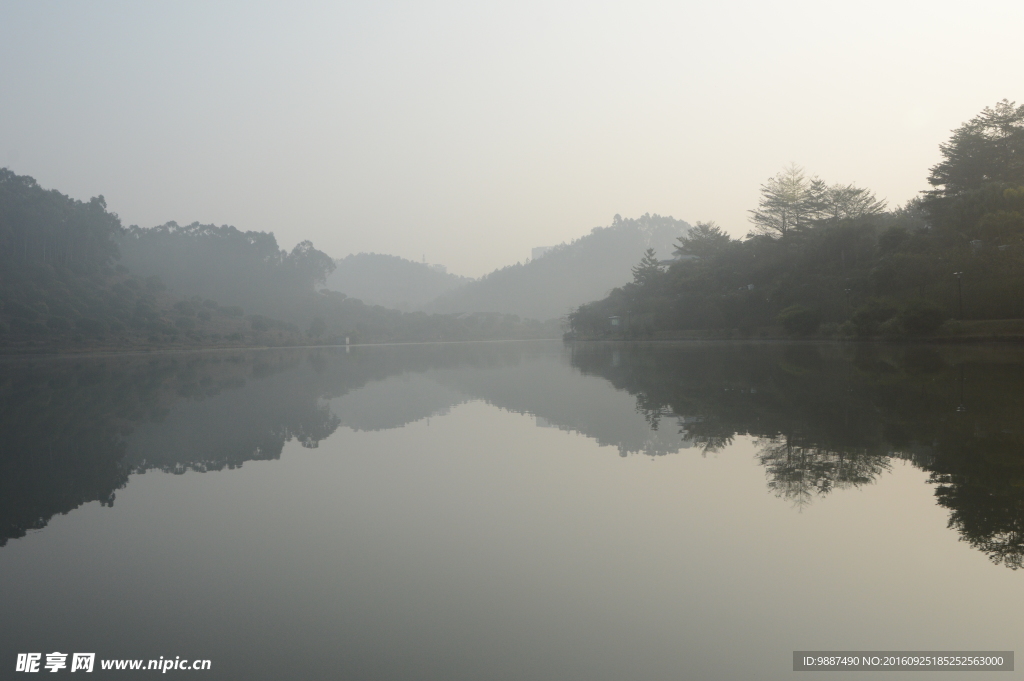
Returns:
point(648, 270)
point(981, 161)
point(705, 240)
point(786, 203)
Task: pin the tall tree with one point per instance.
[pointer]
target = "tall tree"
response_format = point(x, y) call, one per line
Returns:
point(981, 162)
point(987, 148)
point(843, 201)
point(307, 267)
point(705, 240)
point(790, 200)
point(786, 202)
point(646, 272)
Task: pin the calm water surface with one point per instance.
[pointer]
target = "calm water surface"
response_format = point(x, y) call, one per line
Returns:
point(512, 511)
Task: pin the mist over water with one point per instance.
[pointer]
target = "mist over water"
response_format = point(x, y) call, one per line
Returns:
point(566, 340)
point(512, 510)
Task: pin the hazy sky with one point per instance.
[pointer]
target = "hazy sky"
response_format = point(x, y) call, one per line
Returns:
point(471, 132)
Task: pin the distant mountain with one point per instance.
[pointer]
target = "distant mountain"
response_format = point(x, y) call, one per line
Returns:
point(62, 287)
point(391, 281)
point(568, 275)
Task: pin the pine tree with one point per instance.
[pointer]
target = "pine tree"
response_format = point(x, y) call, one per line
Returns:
point(786, 202)
point(648, 270)
point(789, 201)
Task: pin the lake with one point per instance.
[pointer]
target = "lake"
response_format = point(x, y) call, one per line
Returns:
point(512, 510)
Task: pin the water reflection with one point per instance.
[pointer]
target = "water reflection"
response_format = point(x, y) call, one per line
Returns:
point(825, 418)
point(799, 473)
point(834, 417)
point(73, 430)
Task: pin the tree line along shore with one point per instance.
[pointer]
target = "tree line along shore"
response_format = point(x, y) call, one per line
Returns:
point(821, 261)
point(830, 261)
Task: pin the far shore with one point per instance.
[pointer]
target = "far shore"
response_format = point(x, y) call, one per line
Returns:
point(108, 349)
point(952, 332)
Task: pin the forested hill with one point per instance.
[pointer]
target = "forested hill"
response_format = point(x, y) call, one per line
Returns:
point(568, 275)
point(830, 260)
point(72, 278)
point(391, 281)
point(227, 265)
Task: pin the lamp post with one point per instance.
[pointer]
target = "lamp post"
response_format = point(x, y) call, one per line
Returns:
point(961, 408)
point(847, 299)
point(959, 294)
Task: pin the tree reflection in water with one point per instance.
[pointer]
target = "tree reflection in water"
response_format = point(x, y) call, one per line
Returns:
point(799, 473)
point(823, 417)
point(829, 417)
point(73, 429)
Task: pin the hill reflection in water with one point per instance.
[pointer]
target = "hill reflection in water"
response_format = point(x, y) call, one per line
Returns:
point(825, 418)
point(830, 417)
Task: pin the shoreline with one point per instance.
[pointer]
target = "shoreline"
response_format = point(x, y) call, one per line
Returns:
point(7, 353)
point(953, 332)
point(971, 332)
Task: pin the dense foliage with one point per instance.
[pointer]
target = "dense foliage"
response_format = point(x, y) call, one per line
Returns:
point(978, 187)
point(226, 264)
point(57, 256)
point(832, 255)
point(39, 226)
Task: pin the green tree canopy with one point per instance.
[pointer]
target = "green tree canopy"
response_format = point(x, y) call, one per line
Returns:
point(981, 173)
point(705, 240)
point(987, 148)
point(44, 226)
